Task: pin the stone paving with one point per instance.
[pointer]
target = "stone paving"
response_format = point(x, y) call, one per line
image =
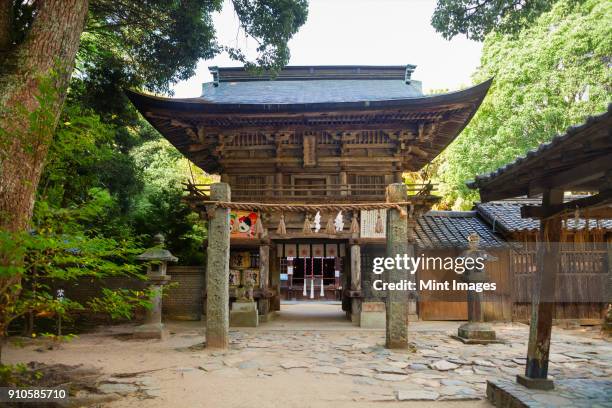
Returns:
point(568, 393)
point(435, 368)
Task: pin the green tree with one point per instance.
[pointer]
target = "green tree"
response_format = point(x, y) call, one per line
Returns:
point(160, 208)
point(477, 18)
point(548, 77)
point(146, 44)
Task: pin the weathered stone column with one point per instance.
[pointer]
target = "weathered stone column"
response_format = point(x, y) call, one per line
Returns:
point(412, 295)
point(264, 273)
point(355, 282)
point(397, 244)
point(607, 323)
point(217, 270)
point(543, 300)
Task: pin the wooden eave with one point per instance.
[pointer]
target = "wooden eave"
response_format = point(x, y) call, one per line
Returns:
point(195, 127)
point(580, 160)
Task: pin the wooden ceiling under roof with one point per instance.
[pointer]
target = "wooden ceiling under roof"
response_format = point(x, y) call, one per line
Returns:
point(394, 135)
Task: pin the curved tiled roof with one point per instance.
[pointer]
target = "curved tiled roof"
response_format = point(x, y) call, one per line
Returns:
point(450, 229)
point(310, 91)
point(505, 216)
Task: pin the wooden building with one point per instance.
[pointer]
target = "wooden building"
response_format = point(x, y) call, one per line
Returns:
point(578, 161)
point(326, 136)
point(583, 275)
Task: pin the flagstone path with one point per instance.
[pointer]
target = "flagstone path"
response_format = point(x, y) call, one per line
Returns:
point(285, 364)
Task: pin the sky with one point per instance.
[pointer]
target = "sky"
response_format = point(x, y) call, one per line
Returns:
point(365, 32)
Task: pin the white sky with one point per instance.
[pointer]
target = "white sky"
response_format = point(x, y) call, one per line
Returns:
point(367, 32)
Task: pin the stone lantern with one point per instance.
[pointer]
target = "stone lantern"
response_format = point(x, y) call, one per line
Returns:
point(476, 330)
point(158, 259)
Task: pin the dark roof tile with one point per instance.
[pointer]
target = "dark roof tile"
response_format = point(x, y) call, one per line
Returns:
point(450, 229)
point(505, 216)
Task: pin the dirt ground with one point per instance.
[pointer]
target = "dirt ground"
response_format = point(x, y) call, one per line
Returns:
point(310, 356)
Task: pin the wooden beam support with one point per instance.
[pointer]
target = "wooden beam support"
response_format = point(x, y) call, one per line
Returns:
point(598, 201)
point(543, 301)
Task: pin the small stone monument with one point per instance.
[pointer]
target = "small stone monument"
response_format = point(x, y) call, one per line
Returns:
point(158, 259)
point(244, 309)
point(476, 331)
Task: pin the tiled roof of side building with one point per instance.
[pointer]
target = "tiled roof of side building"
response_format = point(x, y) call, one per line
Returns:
point(505, 216)
point(450, 229)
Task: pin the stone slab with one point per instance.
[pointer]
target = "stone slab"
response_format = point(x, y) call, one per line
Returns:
point(373, 315)
point(535, 383)
point(574, 393)
point(244, 314)
point(477, 341)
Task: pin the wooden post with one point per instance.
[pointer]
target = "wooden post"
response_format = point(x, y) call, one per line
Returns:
point(397, 244)
point(217, 270)
point(343, 183)
point(264, 272)
point(543, 299)
point(355, 267)
point(355, 281)
point(278, 181)
point(411, 237)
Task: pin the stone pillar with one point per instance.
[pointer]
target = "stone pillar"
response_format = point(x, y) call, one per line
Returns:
point(264, 273)
point(607, 324)
point(275, 281)
point(543, 300)
point(217, 270)
point(397, 244)
point(153, 328)
point(412, 300)
point(355, 282)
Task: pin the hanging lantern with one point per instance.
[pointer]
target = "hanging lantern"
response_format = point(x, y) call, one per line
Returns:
point(282, 229)
point(379, 228)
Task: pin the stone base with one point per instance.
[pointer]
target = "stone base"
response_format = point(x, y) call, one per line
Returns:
point(577, 392)
point(356, 311)
point(373, 315)
point(244, 314)
point(155, 331)
point(268, 317)
point(476, 333)
point(535, 383)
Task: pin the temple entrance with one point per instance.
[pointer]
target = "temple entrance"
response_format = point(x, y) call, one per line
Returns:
point(311, 271)
point(312, 279)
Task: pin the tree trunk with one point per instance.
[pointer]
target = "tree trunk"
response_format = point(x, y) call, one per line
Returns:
point(34, 79)
point(6, 22)
point(33, 86)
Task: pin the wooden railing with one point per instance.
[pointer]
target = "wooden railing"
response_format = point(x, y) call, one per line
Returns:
point(348, 192)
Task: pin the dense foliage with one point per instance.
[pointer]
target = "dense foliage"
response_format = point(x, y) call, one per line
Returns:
point(477, 18)
point(110, 182)
point(552, 75)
